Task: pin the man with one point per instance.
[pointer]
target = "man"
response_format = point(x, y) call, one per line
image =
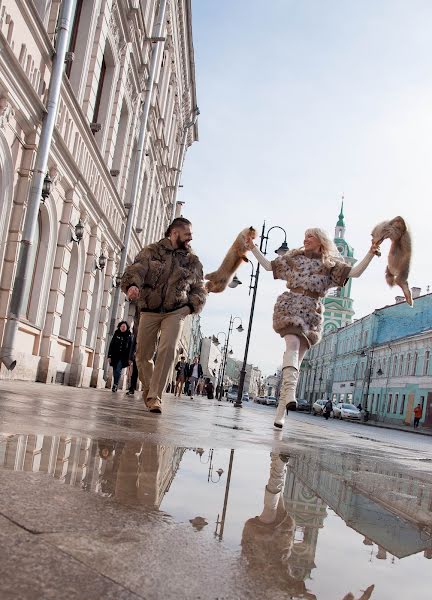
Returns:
point(417, 415)
point(182, 369)
point(328, 407)
point(195, 373)
point(166, 282)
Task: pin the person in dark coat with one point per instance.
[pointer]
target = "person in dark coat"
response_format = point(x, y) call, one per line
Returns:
point(132, 362)
point(119, 351)
point(210, 390)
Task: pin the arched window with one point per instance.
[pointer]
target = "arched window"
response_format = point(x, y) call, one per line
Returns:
point(95, 310)
point(34, 285)
point(395, 364)
point(6, 187)
point(72, 294)
point(426, 363)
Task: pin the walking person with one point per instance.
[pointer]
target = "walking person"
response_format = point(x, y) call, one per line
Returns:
point(166, 282)
point(309, 272)
point(134, 369)
point(182, 369)
point(418, 412)
point(119, 351)
point(209, 390)
point(195, 373)
point(328, 407)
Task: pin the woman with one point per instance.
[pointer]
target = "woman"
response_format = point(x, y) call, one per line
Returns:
point(182, 369)
point(309, 272)
point(119, 351)
point(210, 390)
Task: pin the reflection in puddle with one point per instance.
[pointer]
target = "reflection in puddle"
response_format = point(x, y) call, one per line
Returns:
point(329, 523)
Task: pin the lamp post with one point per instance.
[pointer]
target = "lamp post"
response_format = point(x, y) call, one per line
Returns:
point(225, 349)
point(253, 286)
point(369, 369)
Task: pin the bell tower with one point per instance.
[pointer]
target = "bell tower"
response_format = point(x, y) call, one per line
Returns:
point(338, 304)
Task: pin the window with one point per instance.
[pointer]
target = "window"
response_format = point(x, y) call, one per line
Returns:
point(99, 91)
point(390, 397)
point(377, 403)
point(372, 402)
point(402, 406)
point(414, 365)
point(33, 260)
point(426, 362)
point(401, 364)
point(408, 365)
point(395, 365)
point(73, 33)
point(396, 400)
point(384, 366)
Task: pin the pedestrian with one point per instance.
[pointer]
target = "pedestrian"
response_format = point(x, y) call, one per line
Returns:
point(210, 390)
point(134, 369)
point(195, 373)
point(328, 407)
point(119, 351)
point(201, 386)
point(182, 369)
point(309, 272)
point(418, 411)
point(166, 282)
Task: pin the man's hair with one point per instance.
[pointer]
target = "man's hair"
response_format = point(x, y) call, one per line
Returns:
point(179, 222)
point(181, 357)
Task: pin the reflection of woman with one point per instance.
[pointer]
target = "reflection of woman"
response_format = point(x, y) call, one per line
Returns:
point(309, 273)
point(268, 539)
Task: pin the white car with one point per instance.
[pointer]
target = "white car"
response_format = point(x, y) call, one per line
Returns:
point(318, 407)
point(349, 411)
point(270, 401)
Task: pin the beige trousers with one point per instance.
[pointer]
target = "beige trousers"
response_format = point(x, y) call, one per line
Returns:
point(154, 375)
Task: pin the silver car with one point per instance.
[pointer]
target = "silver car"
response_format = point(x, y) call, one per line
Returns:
point(349, 411)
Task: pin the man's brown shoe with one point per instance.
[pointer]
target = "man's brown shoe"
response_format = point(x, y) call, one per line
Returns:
point(154, 405)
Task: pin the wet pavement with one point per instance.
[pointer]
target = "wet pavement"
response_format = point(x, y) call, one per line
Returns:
point(99, 498)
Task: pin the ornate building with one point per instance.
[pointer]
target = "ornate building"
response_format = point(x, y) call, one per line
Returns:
point(338, 304)
point(122, 58)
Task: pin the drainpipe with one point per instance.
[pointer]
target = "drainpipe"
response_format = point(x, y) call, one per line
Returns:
point(154, 61)
point(23, 275)
point(182, 153)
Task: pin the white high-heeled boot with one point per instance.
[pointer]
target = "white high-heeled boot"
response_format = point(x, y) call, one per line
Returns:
point(287, 399)
point(273, 489)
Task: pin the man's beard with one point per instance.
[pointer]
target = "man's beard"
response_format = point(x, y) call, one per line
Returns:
point(183, 245)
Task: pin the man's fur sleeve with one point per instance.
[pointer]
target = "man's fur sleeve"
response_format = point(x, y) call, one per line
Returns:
point(198, 293)
point(135, 273)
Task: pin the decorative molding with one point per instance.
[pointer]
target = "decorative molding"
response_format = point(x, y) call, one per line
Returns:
point(6, 112)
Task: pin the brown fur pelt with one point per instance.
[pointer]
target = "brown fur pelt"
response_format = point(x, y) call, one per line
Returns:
point(218, 280)
point(399, 258)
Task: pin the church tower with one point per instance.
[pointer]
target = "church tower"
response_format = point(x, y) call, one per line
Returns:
point(338, 304)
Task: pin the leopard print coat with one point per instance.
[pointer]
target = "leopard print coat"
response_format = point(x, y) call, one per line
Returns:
point(299, 314)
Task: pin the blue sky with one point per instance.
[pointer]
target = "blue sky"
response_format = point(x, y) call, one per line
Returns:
point(300, 102)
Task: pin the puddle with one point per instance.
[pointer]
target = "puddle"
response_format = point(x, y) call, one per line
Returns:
point(340, 525)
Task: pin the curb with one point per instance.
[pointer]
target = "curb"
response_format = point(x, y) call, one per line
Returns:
point(383, 426)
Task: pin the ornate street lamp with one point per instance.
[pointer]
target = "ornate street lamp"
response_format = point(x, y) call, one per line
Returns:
point(46, 187)
point(101, 262)
point(79, 232)
point(283, 248)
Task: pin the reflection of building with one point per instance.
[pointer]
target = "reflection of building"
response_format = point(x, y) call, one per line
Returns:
point(132, 472)
point(371, 502)
point(308, 512)
point(63, 328)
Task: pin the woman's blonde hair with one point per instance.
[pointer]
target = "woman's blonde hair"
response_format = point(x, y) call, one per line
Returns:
point(328, 247)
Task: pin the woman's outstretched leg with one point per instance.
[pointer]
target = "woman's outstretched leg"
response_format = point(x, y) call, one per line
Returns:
point(295, 350)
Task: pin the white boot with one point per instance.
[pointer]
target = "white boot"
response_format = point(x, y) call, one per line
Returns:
point(287, 399)
point(273, 489)
point(269, 512)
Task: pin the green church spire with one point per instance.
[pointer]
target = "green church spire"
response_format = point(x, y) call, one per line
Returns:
point(341, 222)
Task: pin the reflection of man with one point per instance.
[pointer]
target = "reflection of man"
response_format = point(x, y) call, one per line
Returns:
point(166, 282)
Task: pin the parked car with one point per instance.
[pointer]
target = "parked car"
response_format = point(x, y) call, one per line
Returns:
point(336, 411)
point(318, 407)
point(349, 411)
point(303, 405)
point(245, 397)
point(260, 400)
point(270, 401)
point(232, 393)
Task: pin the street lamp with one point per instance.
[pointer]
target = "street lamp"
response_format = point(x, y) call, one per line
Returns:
point(227, 350)
point(254, 287)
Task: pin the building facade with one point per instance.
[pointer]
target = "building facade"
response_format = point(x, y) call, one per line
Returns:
point(63, 329)
point(382, 361)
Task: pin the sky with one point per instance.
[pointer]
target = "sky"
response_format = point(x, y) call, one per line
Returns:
point(302, 101)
